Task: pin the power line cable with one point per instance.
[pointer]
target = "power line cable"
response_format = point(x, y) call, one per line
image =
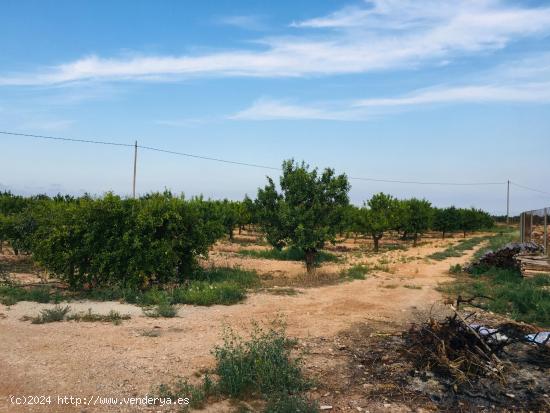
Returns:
point(208, 158)
point(427, 183)
point(150, 148)
point(530, 189)
point(56, 138)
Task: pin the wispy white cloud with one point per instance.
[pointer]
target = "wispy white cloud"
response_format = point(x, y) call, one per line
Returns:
point(247, 22)
point(381, 35)
point(527, 93)
point(47, 124)
point(183, 122)
point(528, 82)
point(270, 109)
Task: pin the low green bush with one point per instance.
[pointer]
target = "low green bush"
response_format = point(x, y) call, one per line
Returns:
point(263, 364)
point(161, 310)
point(289, 254)
point(206, 294)
point(11, 294)
point(197, 394)
point(455, 269)
point(286, 403)
point(357, 272)
point(113, 316)
point(51, 315)
point(523, 299)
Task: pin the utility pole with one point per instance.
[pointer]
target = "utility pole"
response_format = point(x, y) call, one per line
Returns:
point(508, 202)
point(135, 168)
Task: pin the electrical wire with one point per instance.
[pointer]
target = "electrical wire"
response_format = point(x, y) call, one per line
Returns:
point(530, 189)
point(227, 161)
point(56, 138)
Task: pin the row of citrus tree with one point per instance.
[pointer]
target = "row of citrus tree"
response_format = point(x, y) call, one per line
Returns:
point(156, 239)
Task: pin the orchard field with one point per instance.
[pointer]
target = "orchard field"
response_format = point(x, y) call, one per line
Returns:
point(116, 297)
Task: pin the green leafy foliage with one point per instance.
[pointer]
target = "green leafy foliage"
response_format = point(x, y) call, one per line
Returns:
point(416, 217)
point(112, 241)
point(289, 254)
point(474, 219)
point(446, 220)
point(524, 299)
point(378, 216)
point(165, 310)
point(357, 272)
point(457, 250)
point(51, 315)
point(261, 364)
point(286, 403)
point(307, 212)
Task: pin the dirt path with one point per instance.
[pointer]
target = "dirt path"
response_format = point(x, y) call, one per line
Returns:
point(84, 359)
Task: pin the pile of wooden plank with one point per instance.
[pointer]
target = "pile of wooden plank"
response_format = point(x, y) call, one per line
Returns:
point(531, 265)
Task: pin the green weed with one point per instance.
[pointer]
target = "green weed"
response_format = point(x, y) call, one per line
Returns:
point(51, 315)
point(523, 299)
point(286, 403)
point(289, 254)
point(113, 316)
point(357, 272)
point(263, 364)
point(458, 250)
point(161, 310)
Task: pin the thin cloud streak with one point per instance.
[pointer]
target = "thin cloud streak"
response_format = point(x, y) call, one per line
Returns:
point(384, 35)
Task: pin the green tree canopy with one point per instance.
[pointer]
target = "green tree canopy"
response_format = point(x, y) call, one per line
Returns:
point(307, 212)
point(378, 216)
point(417, 217)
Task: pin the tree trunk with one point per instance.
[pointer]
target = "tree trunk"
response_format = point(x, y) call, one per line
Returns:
point(443, 232)
point(464, 234)
point(310, 255)
point(376, 243)
point(415, 239)
point(231, 234)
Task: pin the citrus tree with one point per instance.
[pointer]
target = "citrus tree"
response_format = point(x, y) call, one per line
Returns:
point(416, 215)
point(378, 216)
point(446, 220)
point(308, 210)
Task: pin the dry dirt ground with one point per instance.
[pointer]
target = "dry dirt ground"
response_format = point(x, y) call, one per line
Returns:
point(89, 359)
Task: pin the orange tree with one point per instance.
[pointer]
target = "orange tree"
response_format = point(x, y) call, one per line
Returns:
point(307, 212)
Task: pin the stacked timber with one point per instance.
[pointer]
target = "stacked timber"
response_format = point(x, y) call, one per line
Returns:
point(507, 256)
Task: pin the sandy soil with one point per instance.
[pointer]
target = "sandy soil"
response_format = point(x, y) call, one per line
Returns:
point(85, 359)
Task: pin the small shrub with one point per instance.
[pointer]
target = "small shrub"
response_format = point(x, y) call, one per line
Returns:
point(12, 294)
point(262, 364)
point(205, 293)
point(413, 286)
point(285, 403)
point(51, 315)
point(162, 310)
point(455, 269)
point(289, 254)
point(113, 316)
point(357, 272)
point(197, 394)
point(244, 278)
point(39, 294)
point(8, 300)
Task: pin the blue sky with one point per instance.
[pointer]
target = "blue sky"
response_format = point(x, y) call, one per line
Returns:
point(424, 90)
